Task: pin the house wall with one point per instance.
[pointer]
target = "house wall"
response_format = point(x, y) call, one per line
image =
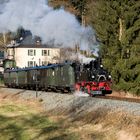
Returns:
point(26, 57)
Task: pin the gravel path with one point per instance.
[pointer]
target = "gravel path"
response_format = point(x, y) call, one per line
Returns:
point(65, 103)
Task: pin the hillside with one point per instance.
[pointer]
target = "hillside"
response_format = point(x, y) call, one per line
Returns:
point(55, 116)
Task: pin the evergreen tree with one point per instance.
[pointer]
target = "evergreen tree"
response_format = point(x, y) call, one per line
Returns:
point(117, 24)
point(77, 7)
point(81, 6)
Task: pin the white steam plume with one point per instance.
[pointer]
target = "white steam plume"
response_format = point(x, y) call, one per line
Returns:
point(51, 25)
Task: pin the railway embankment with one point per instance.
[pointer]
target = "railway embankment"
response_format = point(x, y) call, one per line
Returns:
point(90, 118)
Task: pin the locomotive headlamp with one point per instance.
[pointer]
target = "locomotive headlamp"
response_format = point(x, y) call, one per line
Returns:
point(93, 76)
point(109, 76)
point(101, 66)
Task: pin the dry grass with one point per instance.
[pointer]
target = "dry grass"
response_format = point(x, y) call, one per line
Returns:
point(101, 124)
point(124, 94)
point(25, 120)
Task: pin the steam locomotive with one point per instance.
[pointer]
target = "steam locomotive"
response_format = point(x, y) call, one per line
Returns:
point(91, 78)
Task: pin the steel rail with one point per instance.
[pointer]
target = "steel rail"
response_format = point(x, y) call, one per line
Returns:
point(127, 99)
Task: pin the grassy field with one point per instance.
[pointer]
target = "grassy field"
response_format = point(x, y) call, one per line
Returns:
point(24, 121)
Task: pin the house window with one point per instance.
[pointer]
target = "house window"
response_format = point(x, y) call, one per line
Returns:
point(31, 63)
point(31, 52)
point(44, 63)
point(44, 52)
point(1, 54)
point(10, 52)
point(48, 52)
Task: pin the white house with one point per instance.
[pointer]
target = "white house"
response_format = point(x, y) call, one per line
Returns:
point(29, 51)
point(32, 55)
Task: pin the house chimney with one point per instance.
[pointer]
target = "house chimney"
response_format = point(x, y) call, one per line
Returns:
point(38, 41)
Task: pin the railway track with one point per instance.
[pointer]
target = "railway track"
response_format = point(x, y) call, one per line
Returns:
point(127, 99)
point(2, 86)
point(119, 98)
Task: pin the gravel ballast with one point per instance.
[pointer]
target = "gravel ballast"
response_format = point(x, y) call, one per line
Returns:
point(67, 103)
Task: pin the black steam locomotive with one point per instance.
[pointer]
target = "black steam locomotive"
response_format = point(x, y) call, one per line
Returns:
point(90, 78)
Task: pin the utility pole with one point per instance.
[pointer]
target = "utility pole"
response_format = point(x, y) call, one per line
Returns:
point(83, 17)
point(4, 44)
point(4, 38)
point(36, 83)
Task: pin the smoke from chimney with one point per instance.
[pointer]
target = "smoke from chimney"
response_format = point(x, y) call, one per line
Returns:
point(57, 26)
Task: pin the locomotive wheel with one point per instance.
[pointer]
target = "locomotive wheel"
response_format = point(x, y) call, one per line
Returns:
point(81, 88)
point(46, 89)
point(103, 94)
point(85, 90)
